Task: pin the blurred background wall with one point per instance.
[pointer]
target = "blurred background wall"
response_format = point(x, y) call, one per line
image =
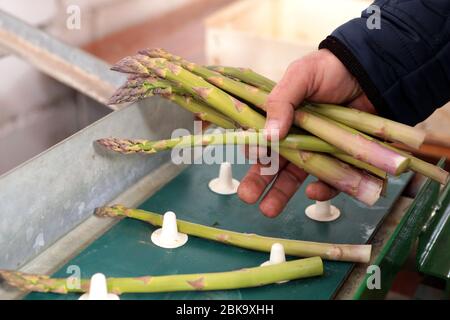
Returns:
point(36, 111)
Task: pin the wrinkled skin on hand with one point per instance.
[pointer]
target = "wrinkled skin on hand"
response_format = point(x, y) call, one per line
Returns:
point(318, 77)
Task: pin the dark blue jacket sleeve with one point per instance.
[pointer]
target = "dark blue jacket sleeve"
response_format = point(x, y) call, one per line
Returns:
point(403, 67)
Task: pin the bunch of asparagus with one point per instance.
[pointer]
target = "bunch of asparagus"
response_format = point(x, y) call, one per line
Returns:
point(341, 149)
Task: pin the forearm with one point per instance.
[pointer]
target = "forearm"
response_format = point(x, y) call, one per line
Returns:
point(403, 67)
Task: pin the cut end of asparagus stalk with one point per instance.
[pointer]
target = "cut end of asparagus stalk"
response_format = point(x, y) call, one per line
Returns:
point(343, 177)
point(352, 143)
point(401, 163)
point(361, 253)
point(370, 189)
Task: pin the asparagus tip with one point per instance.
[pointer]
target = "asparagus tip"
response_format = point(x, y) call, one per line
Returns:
point(120, 97)
point(129, 65)
point(154, 53)
point(27, 282)
point(119, 145)
point(10, 277)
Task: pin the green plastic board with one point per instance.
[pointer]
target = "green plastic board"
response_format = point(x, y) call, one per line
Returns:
point(126, 249)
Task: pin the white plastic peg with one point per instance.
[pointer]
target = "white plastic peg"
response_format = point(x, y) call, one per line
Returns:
point(168, 236)
point(224, 184)
point(277, 256)
point(322, 211)
point(98, 289)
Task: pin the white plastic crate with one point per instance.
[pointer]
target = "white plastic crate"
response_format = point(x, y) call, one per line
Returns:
point(266, 35)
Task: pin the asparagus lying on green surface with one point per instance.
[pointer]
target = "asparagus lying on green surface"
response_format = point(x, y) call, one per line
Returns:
point(328, 251)
point(243, 278)
point(343, 177)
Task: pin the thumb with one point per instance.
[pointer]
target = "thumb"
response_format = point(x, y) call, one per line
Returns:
point(285, 97)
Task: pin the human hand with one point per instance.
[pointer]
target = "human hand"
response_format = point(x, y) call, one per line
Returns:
point(317, 77)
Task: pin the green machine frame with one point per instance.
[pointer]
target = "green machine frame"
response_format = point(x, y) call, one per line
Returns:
point(427, 224)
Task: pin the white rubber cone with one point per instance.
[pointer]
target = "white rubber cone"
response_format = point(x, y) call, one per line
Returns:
point(168, 236)
point(277, 256)
point(322, 211)
point(224, 184)
point(98, 289)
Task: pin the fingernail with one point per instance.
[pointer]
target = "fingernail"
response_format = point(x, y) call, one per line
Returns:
point(272, 127)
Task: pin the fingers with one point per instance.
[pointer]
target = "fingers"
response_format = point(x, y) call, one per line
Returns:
point(287, 94)
point(282, 190)
point(320, 191)
point(289, 179)
point(256, 153)
point(254, 184)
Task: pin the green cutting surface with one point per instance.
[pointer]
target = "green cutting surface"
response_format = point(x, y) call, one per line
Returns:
point(126, 249)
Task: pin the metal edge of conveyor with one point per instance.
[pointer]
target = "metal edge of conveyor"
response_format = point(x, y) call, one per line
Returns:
point(50, 194)
point(47, 202)
point(66, 181)
point(76, 240)
point(67, 64)
point(47, 197)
